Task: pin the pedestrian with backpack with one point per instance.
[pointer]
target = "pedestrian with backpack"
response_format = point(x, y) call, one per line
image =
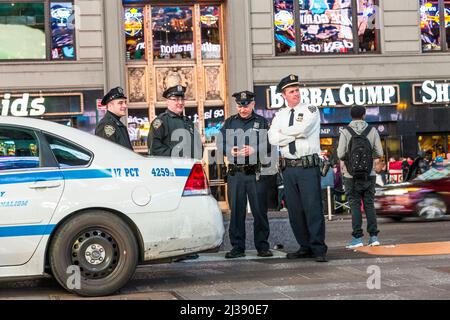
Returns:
point(359, 146)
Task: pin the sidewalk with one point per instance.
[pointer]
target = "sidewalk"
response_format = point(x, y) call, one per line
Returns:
point(281, 236)
point(274, 214)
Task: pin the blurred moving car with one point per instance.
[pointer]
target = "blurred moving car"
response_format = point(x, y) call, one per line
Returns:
point(88, 210)
point(427, 196)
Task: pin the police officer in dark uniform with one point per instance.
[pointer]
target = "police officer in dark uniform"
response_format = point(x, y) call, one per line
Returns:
point(110, 127)
point(244, 138)
point(172, 133)
point(296, 130)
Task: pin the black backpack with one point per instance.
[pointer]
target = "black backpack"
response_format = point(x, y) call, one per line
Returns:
point(359, 159)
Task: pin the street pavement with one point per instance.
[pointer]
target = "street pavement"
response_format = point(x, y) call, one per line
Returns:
point(348, 274)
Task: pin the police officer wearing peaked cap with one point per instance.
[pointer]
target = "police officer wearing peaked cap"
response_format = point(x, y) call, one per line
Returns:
point(243, 149)
point(162, 138)
point(296, 130)
point(110, 127)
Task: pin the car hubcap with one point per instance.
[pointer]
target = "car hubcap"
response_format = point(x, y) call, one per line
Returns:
point(96, 253)
point(432, 208)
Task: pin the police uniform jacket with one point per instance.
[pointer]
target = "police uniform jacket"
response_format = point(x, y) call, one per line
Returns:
point(111, 128)
point(253, 129)
point(160, 136)
point(305, 131)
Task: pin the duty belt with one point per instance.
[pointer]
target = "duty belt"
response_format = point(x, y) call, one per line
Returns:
point(247, 169)
point(308, 161)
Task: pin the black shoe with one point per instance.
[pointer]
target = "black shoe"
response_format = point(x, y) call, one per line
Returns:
point(234, 254)
point(299, 254)
point(265, 253)
point(321, 259)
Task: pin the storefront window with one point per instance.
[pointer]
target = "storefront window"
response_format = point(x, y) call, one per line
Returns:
point(447, 22)
point(326, 26)
point(138, 126)
point(22, 31)
point(429, 25)
point(367, 31)
point(209, 21)
point(62, 24)
point(214, 120)
point(433, 145)
point(172, 33)
point(134, 33)
point(284, 27)
point(448, 147)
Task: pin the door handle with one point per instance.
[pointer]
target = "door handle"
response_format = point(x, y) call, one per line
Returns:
point(45, 184)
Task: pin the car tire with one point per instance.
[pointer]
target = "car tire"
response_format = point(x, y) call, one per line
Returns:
point(93, 254)
point(431, 207)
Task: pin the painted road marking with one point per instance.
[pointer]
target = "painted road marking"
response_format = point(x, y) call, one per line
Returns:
point(408, 249)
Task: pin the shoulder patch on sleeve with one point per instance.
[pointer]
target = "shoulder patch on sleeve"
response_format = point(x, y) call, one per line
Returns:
point(312, 109)
point(109, 130)
point(157, 123)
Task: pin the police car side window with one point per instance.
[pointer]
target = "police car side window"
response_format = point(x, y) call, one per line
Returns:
point(68, 154)
point(19, 149)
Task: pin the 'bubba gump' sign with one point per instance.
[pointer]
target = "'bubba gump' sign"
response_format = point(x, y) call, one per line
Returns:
point(345, 95)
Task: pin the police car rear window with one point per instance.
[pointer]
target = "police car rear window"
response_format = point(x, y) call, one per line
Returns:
point(19, 149)
point(68, 154)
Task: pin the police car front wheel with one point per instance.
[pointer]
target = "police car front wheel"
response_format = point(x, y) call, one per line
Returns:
point(93, 254)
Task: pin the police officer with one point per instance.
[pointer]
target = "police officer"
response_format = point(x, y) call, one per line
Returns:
point(296, 129)
point(172, 133)
point(110, 127)
point(244, 136)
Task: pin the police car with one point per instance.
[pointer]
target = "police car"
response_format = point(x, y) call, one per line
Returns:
point(88, 210)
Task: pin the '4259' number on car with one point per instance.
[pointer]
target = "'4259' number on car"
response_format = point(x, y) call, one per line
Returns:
point(161, 172)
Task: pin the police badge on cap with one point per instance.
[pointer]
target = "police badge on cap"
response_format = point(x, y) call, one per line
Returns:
point(178, 91)
point(244, 98)
point(113, 94)
point(290, 80)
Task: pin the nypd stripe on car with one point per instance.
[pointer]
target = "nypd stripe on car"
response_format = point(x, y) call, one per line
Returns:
point(69, 199)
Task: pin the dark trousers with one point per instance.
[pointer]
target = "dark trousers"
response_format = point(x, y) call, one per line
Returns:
point(304, 203)
point(362, 191)
point(241, 186)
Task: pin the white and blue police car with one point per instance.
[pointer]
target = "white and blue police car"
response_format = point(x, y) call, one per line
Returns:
point(73, 203)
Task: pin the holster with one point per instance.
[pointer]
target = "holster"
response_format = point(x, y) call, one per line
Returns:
point(324, 167)
point(224, 171)
point(282, 164)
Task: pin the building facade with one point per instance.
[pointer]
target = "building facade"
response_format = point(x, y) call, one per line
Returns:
point(52, 60)
point(59, 57)
point(395, 60)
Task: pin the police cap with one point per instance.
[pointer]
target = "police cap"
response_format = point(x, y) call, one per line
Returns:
point(113, 94)
point(177, 91)
point(290, 80)
point(243, 98)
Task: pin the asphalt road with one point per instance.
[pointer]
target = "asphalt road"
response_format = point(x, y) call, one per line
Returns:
point(348, 274)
